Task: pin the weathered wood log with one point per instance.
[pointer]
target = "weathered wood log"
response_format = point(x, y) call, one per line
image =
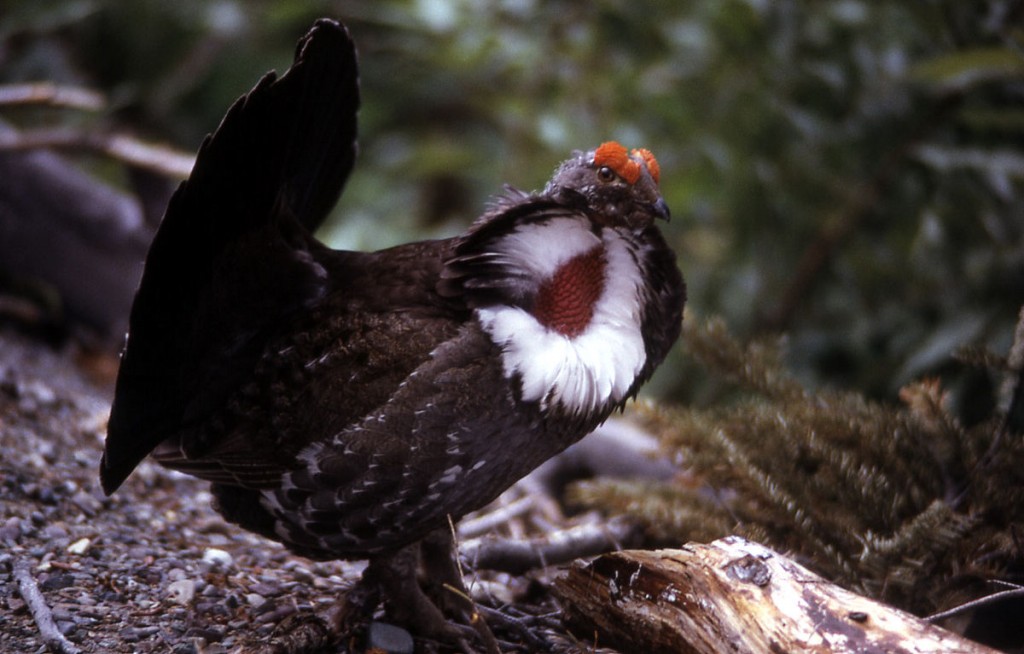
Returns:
point(734, 596)
point(81, 237)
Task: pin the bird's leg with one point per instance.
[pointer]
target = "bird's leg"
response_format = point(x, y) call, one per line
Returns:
point(405, 602)
point(445, 582)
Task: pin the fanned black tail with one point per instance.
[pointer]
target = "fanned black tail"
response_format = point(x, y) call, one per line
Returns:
point(233, 251)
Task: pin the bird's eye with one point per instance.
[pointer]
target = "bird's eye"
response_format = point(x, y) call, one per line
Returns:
point(606, 174)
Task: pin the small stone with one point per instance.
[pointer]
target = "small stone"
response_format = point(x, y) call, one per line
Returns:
point(266, 606)
point(135, 634)
point(388, 638)
point(217, 558)
point(80, 546)
point(54, 532)
point(299, 572)
point(263, 588)
point(275, 614)
point(211, 633)
point(212, 591)
point(62, 613)
point(88, 504)
point(66, 627)
point(84, 599)
point(38, 392)
point(181, 591)
point(255, 600)
point(58, 582)
point(10, 532)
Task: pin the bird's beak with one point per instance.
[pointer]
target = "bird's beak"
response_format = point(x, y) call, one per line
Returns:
point(660, 209)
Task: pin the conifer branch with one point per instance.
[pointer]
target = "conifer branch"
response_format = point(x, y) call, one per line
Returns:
point(890, 499)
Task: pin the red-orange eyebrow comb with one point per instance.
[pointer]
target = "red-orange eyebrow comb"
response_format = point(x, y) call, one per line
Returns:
point(616, 157)
point(652, 164)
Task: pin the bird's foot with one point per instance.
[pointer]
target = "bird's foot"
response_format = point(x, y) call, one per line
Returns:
point(396, 579)
point(445, 582)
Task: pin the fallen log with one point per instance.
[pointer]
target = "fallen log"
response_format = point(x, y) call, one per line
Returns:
point(77, 235)
point(734, 596)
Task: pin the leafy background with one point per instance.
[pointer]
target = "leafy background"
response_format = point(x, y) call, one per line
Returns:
point(848, 173)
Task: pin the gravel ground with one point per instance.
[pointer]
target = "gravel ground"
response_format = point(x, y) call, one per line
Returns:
point(151, 569)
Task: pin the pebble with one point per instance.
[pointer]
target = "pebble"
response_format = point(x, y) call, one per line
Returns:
point(135, 634)
point(213, 591)
point(58, 581)
point(66, 627)
point(37, 393)
point(255, 600)
point(264, 588)
point(181, 591)
point(217, 558)
point(211, 634)
point(10, 532)
point(80, 546)
point(388, 638)
point(88, 504)
point(54, 532)
point(278, 613)
point(62, 613)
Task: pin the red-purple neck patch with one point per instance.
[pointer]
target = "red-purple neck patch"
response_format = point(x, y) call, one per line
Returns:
point(565, 302)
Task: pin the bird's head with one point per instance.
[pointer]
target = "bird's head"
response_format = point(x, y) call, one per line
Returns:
point(575, 284)
point(620, 186)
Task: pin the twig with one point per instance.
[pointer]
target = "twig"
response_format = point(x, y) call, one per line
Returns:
point(519, 556)
point(1014, 592)
point(159, 159)
point(52, 94)
point(496, 518)
point(29, 591)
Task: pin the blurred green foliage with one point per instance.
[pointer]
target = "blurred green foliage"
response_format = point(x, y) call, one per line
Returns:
point(849, 173)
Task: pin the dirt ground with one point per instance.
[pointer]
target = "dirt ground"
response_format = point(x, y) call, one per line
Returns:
point(152, 568)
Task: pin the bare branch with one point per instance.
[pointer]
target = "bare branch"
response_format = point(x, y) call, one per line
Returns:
point(1014, 593)
point(519, 556)
point(480, 525)
point(29, 591)
point(52, 94)
point(157, 158)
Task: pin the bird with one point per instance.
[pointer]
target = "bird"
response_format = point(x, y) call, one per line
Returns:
point(353, 405)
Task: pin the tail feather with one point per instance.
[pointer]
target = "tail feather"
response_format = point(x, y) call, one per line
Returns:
point(235, 243)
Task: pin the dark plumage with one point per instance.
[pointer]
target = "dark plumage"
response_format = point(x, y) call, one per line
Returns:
point(347, 403)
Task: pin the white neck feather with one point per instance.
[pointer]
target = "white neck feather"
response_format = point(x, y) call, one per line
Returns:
point(597, 367)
